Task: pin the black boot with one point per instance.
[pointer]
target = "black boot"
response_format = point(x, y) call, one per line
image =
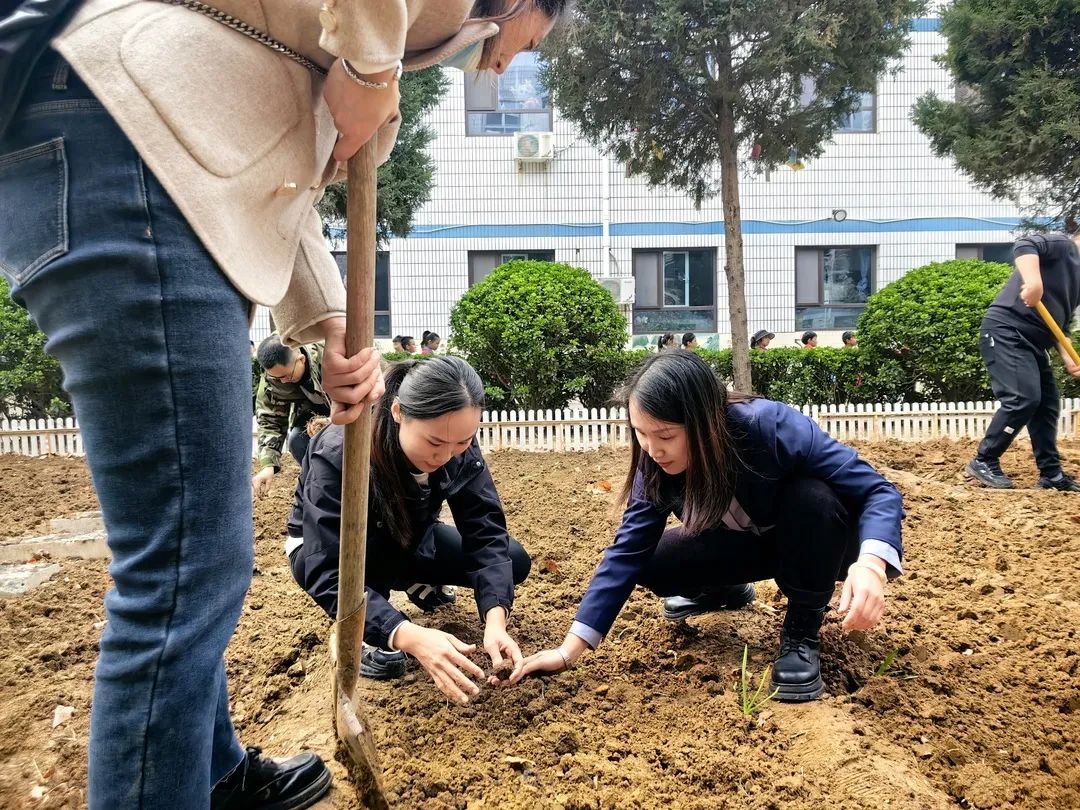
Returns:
point(796, 673)
point(731, 597)
point(259, 783)
point(989, 473)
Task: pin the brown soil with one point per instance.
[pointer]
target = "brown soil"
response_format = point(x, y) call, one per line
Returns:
point(980, 708)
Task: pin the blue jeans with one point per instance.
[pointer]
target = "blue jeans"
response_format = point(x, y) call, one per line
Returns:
point(153, 342)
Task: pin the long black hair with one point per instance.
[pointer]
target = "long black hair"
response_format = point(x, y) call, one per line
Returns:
point(424, 389)
point(680, 388)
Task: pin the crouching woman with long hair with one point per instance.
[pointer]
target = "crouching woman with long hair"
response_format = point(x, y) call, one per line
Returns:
point(424, 453)
point(763, 493)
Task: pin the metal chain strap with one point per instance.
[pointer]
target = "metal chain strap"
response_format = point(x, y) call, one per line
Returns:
point(248, 31)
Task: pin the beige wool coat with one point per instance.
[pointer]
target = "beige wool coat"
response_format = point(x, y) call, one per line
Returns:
point(239, 135)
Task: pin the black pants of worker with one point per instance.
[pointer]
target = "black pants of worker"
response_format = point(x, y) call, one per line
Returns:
point(440, 560)
point(809, 549)
point(1023, 381)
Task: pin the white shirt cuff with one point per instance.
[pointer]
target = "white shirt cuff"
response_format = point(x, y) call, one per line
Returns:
point(881, 549)
point(587, 634)
point(390, 638)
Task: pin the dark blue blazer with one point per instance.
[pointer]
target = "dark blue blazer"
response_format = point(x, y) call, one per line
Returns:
point(776, 443)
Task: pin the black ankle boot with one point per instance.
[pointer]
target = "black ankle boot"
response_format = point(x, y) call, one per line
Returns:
point(260, 783)
point(796, 673)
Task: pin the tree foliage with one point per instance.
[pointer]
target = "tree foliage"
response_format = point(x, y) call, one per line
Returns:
point(676, 89)
point(30, 379)
point(928, 321)
point(405, 180)
point(1014, 124)
point(532, 330)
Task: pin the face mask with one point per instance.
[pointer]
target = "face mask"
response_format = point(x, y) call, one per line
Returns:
point(467, 59)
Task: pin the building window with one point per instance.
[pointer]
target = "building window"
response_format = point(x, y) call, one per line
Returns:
point(862, 119)
point(382, 289)
point(994, 252)
point(482, 262)
point(517, 101)
point(674, 291)
point(832, 285)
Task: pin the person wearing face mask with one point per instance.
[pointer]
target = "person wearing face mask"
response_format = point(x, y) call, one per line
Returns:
point(161, 161)
point(424, 453)
point(762, 493)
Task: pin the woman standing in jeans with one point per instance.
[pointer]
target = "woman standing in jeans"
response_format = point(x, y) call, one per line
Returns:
point(158, 179)
point(762, 493)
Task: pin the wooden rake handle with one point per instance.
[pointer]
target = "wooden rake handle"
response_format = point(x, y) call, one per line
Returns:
point(359, 334)
point(1052, 325)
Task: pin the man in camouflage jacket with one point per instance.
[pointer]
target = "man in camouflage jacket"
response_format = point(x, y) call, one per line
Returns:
point(290, 393)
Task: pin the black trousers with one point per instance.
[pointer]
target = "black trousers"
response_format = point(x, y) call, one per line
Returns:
point(439, 560)
point(806, 552)
point(1023, 382)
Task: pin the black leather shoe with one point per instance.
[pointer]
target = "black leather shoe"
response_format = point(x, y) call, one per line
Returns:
point(988, 473)
point(733, 597)
point(382, 665)
point(796, 673)
point(259, 783)
point(1063, 483)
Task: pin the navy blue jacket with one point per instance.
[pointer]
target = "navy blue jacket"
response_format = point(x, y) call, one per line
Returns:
point(464, 483)
point(776, 442)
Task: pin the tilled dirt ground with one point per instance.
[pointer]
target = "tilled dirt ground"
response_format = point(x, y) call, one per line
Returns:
point(980, 706)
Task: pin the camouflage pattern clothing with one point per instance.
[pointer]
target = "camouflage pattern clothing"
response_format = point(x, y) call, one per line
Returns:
point(280, 406)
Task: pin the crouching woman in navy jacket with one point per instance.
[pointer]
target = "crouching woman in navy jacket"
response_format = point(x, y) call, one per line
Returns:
point(762, 493)
point(424, 453)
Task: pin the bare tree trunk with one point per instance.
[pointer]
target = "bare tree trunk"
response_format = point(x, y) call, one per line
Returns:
point(733, 244)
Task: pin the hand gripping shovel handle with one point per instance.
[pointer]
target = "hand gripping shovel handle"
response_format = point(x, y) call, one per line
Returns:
point(1051, 324)
point(353, 729)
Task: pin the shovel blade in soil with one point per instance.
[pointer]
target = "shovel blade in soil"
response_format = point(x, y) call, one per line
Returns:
point(354, 734)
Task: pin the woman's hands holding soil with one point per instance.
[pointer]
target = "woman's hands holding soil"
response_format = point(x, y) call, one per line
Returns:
point(444, 658)
point(358, 111)
point(506, 657)
point(351, 383)
point(862, 602)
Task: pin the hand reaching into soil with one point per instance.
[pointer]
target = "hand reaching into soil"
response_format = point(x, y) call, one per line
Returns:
point(260, 482)
point(351, 383)
point(443, 656)
point(862, 602)
point(506, 657)
point(543, 661)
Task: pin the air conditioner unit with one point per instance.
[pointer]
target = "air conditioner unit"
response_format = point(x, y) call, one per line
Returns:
point(620, 287)
point(533, 147)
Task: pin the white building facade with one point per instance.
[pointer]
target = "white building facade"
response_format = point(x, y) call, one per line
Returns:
point(817, 240)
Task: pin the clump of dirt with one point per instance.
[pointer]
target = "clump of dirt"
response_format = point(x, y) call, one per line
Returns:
point(33, 490)
point(967, 695)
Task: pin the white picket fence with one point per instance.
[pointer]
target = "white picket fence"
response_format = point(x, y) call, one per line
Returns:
point(582, 429)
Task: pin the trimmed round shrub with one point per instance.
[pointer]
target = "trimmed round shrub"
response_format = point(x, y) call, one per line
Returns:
point(928, 323)
point(535, 330)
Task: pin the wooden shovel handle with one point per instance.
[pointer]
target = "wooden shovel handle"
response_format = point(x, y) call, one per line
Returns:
point(359, 334)
point(1052, 325)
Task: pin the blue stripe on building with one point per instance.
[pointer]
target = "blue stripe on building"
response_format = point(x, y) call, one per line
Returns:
point(716, 228)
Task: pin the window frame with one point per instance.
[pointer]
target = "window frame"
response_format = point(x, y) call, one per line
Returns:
point(980, 248)
point(379, 254)
point(820, 303)
point(842, 130)
point(514, 254)
point(473, 106)
point(662, 253)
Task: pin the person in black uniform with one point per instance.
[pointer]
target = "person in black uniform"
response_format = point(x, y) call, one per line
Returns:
point(1014, 342)
point(423, 453)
